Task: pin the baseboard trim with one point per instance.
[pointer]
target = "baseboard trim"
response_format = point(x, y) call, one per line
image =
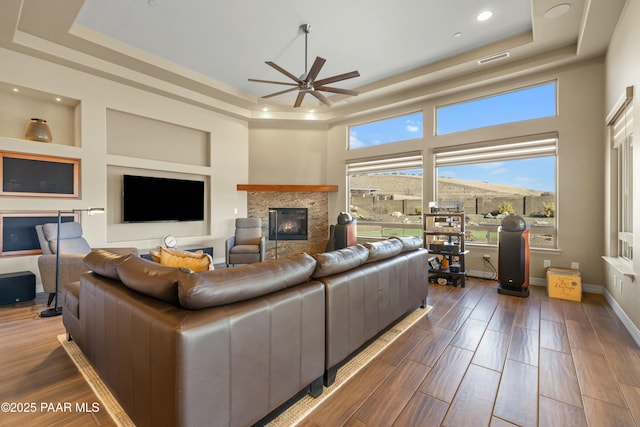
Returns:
point(626, 321)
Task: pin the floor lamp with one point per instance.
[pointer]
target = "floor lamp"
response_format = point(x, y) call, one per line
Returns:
point(56, 310)
point(275, 212)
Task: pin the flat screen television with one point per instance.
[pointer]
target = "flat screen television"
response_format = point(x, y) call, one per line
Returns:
point(150, 199)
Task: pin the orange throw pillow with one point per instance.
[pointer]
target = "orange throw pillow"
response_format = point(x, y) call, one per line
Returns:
point(196, 261)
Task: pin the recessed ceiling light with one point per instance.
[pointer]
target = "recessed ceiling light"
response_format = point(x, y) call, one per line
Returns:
point(312, 110)
point(265, 108)
point(483, 16)
point(58, 99)
point(458, 34)
point(15, 89)
point(557, 10)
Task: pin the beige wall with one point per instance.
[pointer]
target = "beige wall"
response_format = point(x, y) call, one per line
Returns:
point(580, 168)
point(288, 153)
point(622, 70)
point(226, 166)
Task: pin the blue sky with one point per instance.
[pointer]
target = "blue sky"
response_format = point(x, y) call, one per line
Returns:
point(526, 104)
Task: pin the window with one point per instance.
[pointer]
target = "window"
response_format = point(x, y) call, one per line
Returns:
point(497, 178)
point(385, 195)
point(386, 131)
point(621, 127)
point(524, 104)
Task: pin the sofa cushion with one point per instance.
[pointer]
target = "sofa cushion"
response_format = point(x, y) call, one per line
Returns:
point(229, 285)
point(151, 279)
point(104, 263)
point(383, 249)
point(341, 260)
point(409, 243)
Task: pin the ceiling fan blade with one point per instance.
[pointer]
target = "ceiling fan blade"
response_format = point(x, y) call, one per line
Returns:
point(281, 92)
point(274, 82)
point(321, 97)
point(283, 71)
point(337, 78)
point(338, 90)
point(299, 99)
point(315, 69)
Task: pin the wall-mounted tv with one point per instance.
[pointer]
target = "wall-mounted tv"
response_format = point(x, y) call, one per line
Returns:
point(149, 199)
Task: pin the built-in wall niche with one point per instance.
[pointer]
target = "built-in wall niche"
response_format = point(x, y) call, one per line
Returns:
point(18, 230)
point(20, 104)
point(119, 231)
point(134, 136)
point(38, 176)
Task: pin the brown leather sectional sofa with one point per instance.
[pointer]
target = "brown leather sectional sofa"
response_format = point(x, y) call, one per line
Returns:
point(227, 347)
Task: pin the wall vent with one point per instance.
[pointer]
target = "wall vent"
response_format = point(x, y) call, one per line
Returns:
point(496, 57)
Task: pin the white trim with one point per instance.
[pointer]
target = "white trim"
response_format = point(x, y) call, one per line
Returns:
point(619, 106)
point(626, 321)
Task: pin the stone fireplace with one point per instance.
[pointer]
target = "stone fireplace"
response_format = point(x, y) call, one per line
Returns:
point(263, 198)
point(288, 223)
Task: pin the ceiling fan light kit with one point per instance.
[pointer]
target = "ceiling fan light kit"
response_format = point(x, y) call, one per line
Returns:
point(307, 83)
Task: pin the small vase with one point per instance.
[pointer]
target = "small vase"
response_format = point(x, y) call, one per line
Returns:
point(38, 130)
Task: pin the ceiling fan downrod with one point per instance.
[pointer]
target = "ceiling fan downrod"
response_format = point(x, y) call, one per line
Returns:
point(306, 29)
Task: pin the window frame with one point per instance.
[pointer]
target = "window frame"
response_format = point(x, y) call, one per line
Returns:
point(380, 121)
point(396, 162)
point(620, 127)
point(517, 148)
point(495, 96)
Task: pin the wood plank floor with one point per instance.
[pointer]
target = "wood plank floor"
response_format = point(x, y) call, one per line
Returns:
point(478, 359)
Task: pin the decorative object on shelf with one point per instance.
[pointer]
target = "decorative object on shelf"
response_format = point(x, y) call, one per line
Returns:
point(38, 130)
point(170, 241)
point(56, 310)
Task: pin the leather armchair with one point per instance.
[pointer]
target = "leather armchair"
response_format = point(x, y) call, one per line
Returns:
point(248, 244)
point(73, 249)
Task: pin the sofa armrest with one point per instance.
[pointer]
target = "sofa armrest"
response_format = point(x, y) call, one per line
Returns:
point(263, 248)
point(228, 244)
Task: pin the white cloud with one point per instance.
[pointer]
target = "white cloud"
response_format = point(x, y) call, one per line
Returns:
point(412, 126)
point(490, 165)
point(354, 142)
point(498, 171)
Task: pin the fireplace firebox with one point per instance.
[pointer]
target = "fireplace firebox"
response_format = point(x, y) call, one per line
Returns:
point(288, 223)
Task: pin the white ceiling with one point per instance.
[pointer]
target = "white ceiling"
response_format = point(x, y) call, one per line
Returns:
point(230, 40)
point(211, 47)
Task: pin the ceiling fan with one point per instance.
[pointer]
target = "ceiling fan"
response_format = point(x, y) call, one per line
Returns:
point(307, 82)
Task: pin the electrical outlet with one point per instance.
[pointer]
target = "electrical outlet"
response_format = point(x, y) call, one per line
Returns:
point(486, 257)
point(546, 263)
point(575, 265)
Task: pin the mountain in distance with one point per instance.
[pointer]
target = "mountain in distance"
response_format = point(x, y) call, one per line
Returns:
point(448, 188)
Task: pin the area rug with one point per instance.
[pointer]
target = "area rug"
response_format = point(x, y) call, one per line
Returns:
point(291, 416)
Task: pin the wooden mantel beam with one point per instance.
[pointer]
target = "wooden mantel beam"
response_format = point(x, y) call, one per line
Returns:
point(288, 188)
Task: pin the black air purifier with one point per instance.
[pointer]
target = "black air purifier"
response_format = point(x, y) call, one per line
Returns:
point(513, 256)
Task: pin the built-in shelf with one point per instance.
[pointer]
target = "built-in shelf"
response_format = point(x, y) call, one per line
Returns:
point(288, 188)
